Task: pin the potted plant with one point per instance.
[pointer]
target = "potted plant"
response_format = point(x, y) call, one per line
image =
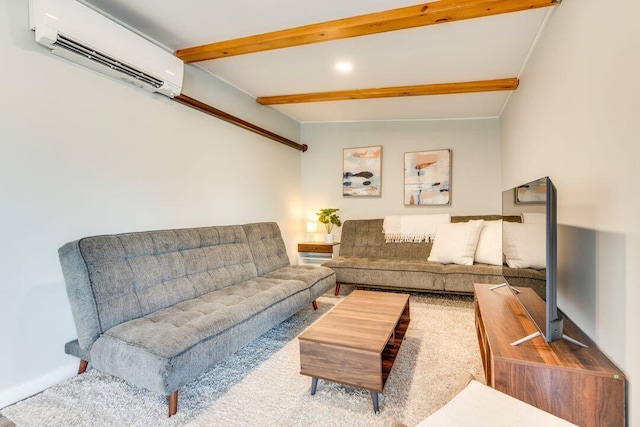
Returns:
point(329, 217)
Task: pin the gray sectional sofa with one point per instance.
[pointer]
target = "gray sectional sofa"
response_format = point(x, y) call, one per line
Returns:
point(365, 259)
point(160, 308)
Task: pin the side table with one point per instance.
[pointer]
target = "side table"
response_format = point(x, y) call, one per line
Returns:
point(315, 253)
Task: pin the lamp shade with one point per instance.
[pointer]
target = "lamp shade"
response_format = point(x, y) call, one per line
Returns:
point(312, 227)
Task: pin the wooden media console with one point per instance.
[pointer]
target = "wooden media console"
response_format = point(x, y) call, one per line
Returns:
point(578, 384)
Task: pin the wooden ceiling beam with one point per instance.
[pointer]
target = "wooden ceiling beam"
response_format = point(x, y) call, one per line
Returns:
point(437, 12)
point(391, 92)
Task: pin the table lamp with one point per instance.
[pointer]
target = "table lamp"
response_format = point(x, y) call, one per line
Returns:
point(312, 227)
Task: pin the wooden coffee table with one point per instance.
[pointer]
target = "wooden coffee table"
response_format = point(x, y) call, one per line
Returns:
point(357, 342)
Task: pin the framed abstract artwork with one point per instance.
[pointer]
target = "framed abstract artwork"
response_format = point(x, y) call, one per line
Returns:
point(361, 171)
point(427, 178)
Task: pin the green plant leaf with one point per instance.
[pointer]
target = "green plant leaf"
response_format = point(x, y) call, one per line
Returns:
point(329, 217)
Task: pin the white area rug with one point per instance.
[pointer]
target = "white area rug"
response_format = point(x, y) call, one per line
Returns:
point(260, 385)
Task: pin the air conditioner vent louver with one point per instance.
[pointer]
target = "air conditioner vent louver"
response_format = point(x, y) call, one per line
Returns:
point(105, 60)
point(79, 34)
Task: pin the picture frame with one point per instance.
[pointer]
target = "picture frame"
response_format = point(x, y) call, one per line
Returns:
point(427, 178)
point(362, 171)
point(534, 192)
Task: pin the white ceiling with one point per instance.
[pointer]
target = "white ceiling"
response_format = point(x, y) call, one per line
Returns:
point(478, 49)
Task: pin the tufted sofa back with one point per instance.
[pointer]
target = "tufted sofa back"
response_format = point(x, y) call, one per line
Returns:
point(364, 238)
point(115, 278)
point(267, 246)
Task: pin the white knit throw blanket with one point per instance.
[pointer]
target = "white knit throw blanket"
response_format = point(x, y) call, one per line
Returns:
point(412, 228)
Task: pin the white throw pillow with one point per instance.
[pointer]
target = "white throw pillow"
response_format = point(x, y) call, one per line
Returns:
point(456, 242)
point(524, 245)
point(489, 250)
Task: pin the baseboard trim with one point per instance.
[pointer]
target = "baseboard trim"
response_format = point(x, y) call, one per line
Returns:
point(15, 394)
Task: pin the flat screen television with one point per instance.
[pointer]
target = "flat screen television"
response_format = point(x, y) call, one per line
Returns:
point(533, 243)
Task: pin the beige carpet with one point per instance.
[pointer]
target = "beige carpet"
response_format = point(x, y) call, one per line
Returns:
point(261, 386)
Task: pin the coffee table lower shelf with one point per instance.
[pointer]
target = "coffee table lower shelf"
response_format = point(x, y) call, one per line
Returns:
point(356, 344)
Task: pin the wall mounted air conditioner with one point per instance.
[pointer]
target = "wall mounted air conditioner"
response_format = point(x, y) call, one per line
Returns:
point(82, 35)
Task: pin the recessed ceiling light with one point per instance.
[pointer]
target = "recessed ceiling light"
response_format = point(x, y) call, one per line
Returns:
point(344, 66)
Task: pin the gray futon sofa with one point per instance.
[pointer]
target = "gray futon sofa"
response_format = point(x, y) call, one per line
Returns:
point(366, 259)
point(160, 308)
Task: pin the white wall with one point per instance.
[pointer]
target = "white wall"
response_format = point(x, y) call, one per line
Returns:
point(475, 183)
point(575, 117)
point(81, 154)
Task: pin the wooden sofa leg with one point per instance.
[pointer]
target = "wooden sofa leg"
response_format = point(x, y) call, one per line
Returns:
point(83, 366)
point(315, 304)
point(173, 403)
point(337, 289)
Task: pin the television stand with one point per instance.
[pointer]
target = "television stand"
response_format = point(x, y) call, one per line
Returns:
point(539, 334)
point(502, 285)
point(575, 383)
point(535, 334)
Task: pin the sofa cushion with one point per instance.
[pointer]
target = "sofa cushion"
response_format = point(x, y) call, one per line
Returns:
point(115, 278)
point(166, 374)
point(408, 274)
point(140, 273)
point(172, 330)
point(267, 247)
point(460, 278)
point(394, 273)
point(309, 274)
point(364, 238)
point(372, 263)
point(319, 279)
